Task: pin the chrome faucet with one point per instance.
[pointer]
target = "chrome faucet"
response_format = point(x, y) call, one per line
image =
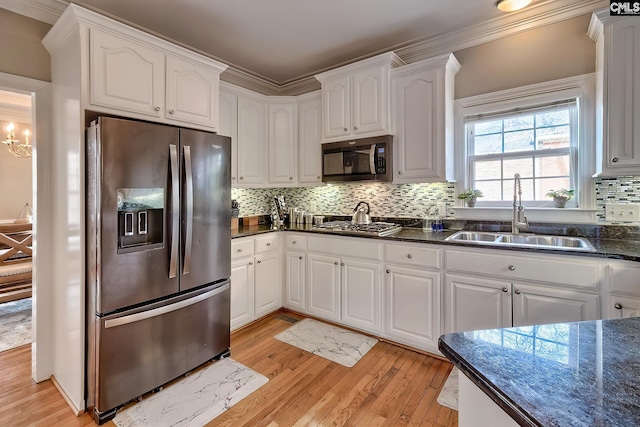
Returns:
point(519, 220)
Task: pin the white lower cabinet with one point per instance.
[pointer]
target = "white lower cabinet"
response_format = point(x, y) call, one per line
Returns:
point(624, 286)
point(361, 294)
point(473, 303)
point(295, 281)
point(256, 278)
point(623, 307)
point(412, 307)
point(323, 297)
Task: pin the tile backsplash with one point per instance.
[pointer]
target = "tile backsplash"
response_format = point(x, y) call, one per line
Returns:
point(403, 200)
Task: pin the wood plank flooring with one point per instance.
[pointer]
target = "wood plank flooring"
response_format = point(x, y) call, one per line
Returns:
point(389, 386)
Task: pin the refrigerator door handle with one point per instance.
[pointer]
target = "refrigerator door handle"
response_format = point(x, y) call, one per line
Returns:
point(131, 318)
point(175, 210)
point(189, 210)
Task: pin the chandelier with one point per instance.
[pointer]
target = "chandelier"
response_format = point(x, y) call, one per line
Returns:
point(13, 144)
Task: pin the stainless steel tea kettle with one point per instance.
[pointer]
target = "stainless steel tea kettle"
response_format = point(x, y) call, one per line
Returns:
point(361, 217)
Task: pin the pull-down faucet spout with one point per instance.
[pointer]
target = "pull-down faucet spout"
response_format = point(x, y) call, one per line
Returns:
point(519, 220)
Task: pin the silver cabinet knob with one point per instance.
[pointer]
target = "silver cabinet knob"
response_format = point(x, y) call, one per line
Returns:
point(233, 178)
point(388, 271)
point(318, 177)
point(250, 262)
point(335, 263)
point(409, 256)
point(505, 289)
point(291, 178)
point(259, 262)
point(242, 177)
point(617, 306)
point(294, 242)
point(300, 257)
point(172, 111)
point(517, 291)
point(512, 268)
point(346, 130)
point(399, 172)
point(614, 160)
point(157, 108)
point(355, 128)
point(268, 244)
point(240, 250)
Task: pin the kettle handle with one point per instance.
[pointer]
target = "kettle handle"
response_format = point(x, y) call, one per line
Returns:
point(368, 208)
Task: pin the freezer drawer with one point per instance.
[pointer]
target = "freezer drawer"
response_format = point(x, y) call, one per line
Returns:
point(142, 349)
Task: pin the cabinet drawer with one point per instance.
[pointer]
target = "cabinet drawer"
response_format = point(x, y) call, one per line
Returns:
point(412, 255)
point(564, 270)
point(241, 248)
point(267, 243)
point(346, 246)
point(296, 242)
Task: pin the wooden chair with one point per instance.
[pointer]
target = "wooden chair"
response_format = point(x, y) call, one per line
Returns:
point(15, 261)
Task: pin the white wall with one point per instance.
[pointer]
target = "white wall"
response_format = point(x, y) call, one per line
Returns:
point(15, 179)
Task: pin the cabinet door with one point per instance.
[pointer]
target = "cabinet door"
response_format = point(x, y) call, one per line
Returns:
point(623, 307)
point(251, 141)
point(535, 305)
point(242, 289)
point(368, 114)
point(622, 96)
point(294, 294)
point(323, 286)
point(472, 303)
point(419, 145)
point(361, 294)
point(268, 283)
point(336, 105)
point(412, 307)
point(192, 93)
point(310, 148)
point(125, 75)
point(228, 126)
point(282, 143)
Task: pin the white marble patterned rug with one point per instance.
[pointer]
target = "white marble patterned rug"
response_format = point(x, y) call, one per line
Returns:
point(333, 343)
point(195, 400)
point(449, 394)
point(15, 323)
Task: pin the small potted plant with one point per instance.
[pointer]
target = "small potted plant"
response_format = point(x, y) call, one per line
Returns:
point(470, 196)
point(560, 197)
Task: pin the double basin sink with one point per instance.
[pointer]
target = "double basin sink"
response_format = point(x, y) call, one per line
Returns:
point(523, 240)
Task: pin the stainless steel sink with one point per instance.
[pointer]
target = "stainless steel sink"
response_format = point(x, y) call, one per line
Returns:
point(523, 240)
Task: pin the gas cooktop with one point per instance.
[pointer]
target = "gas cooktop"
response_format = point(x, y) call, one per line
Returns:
point(371, 229)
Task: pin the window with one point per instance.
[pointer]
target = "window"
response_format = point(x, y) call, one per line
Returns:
point(540, 143)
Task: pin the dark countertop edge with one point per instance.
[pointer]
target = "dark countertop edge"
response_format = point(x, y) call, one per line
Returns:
point(495, 394)
point(252, 231)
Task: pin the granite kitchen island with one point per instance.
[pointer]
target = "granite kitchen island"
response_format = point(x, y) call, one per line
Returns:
point(565, 374)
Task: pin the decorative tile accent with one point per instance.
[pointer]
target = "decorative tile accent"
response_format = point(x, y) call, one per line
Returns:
point(621, 189)
point(336, 344)
point(386, 200)
point(15, 323)
point(196, 399)
point(449, 394)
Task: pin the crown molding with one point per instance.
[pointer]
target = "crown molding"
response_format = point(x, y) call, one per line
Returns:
point(538, 15)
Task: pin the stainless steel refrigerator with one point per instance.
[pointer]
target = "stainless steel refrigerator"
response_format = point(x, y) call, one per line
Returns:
point(158, 257)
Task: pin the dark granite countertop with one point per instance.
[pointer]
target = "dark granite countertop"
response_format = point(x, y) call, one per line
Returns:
point(615, 248)
point(565, 374)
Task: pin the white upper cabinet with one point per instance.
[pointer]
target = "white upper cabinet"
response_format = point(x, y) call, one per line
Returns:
point(309, 136)
point(252, 131)
point(229, 127)
point(356, 99)
point(126, 75)
point(618, 93)
point(423, 117)
point(146, 80)
point(282, 142)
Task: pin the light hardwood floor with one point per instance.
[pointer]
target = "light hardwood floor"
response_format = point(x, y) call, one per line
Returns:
point(389, 386)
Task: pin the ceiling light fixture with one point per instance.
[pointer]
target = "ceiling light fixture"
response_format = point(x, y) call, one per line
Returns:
point(512, 5)
point(13, 144)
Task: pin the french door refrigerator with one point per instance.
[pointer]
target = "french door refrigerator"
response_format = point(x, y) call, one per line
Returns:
point(158, 257)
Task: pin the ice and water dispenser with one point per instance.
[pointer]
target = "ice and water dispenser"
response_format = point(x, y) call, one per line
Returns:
point(140, 218)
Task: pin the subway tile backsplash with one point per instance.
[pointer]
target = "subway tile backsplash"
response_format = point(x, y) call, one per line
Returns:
point(402, 201)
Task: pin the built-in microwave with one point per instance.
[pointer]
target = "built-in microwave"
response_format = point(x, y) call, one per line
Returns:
point(366, 159)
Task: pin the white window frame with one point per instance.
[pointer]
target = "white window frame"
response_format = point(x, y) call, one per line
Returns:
point(581, 88)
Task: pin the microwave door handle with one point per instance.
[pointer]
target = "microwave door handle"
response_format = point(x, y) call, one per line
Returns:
point(189, 210)
point(175, 210)
point(372, 159)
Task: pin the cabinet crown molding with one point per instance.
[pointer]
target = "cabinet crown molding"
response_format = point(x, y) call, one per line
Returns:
point(386, 58)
